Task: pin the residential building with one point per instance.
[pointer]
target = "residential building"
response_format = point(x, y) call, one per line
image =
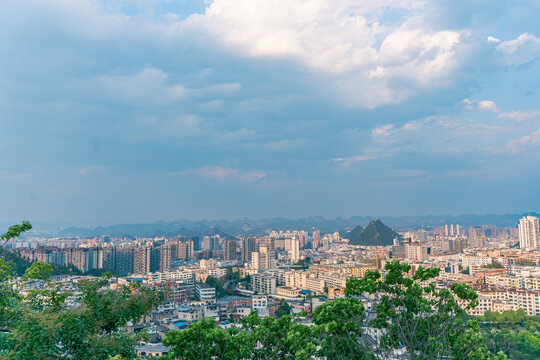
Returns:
point(249, 246)
point(263, 283)
point(529, 233)
point(205, 293)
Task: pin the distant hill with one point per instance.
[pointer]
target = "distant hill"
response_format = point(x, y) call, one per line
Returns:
point(248, 227)
point(353, 234)
point(375, 234)
point(216, 231)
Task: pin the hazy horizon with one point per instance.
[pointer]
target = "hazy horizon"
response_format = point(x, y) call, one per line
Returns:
point(40, 225)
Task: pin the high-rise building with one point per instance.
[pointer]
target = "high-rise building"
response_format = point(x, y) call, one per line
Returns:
point(267, 241)
point(316, 239)
point(458, 244)
point(477, 237)
point(165, 257)
point(124, 260)
point(529, 233)
point(295, 250)
point(196, 243)
point(214, 242)
point(326, 242)
point(303, 238)
point(205, 243)
point(452, 230)
point(263, 259)
point(229, 250)
point(185, 250)
point(109, 257)
point(249, 246)
point(141, 259)
point(155, 258)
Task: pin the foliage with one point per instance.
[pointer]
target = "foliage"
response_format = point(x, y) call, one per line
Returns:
point(339, 329)
point(284, 309)
point(205, 340)
point(15, 231)
point(494, 265)
point(506, 317)
point(280, 338)
point(259, 339)
point(218, 285)
point(375, 234)
point(413, 313)
point(41, 325)
point(517, 334)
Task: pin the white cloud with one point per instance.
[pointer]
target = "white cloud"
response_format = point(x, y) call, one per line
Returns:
point(488, 105)
point(525, 48)
point(343, 39)
point(484, 105)
point(524, 143)
point(218, 172)
point(148, 86)
point(383, 131)
point(347, 161)
point(521, 115)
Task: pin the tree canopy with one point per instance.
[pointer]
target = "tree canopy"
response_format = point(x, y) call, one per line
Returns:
point(39, 321)
point(412, 316)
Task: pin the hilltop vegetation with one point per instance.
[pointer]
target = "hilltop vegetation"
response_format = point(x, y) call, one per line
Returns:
point(375, 234)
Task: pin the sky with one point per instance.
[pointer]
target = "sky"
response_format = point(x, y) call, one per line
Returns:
point(135, 111)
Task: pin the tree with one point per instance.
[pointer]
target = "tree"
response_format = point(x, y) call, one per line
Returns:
point(41, 325)
point(284, 309)
point(202, 340)
point(339, 329)
point(259, 339)
point(413, 313)
point(281, 338)
point(494, 265)
point(15, 231)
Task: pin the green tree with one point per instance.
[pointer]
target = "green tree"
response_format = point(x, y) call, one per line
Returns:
point(204, 340)
point(14, 231)
point(283, 309)
point(41, 325)
point(339, 329)
point(412, 312)
point(280, 338)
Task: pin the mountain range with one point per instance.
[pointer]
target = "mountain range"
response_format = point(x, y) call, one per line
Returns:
point(248, 227)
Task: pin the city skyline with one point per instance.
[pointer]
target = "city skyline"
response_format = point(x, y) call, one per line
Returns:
point(134, 112)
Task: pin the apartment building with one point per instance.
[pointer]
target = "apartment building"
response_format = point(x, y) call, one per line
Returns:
point(263, 283)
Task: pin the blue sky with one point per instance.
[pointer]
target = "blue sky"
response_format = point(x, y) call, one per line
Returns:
point(132, 111)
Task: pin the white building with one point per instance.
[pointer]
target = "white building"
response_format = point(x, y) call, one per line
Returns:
point(259, 302)
point(529, 233)
point(205, 292)
point(295, 250)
